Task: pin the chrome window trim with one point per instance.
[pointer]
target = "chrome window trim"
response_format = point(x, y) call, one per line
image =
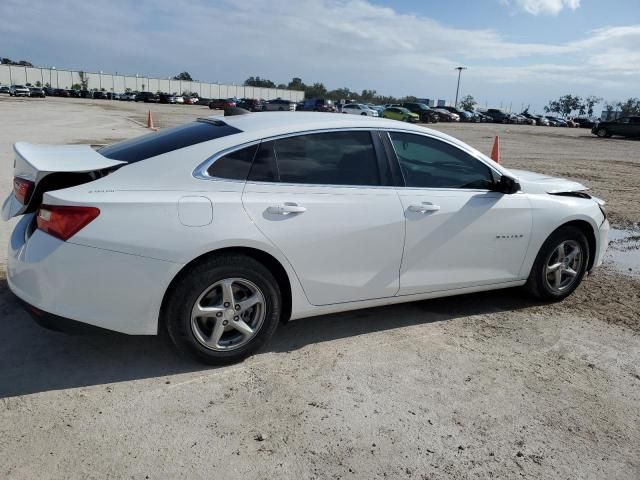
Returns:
point(200, 171)
point(435, 137)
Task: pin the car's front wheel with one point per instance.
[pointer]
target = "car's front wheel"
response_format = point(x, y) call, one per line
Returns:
point(602, 133)
point(223, 309)
point(560, 265)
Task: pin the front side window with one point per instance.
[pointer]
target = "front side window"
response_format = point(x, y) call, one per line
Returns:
point(429, 163)
point(624, 121)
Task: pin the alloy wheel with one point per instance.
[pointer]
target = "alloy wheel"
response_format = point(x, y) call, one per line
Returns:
point(228, 314)
point(563, 266)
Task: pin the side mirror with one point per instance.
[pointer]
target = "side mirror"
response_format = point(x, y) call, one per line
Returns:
point(507, 185)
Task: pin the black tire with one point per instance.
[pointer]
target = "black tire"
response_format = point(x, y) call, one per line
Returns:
point(602, 133)
point(185, 292)
point(537, 284)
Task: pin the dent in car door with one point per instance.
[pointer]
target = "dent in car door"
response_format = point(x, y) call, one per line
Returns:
point(344, 242)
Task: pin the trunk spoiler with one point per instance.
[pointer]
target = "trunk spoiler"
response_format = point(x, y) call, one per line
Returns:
point(61, 165)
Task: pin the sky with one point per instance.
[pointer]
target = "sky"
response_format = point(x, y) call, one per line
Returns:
point(517, 52)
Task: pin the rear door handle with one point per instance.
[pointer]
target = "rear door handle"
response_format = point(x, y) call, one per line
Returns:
point(424, 207)
point(286, 209)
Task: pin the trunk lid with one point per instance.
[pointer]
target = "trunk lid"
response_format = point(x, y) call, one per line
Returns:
point(53, 167)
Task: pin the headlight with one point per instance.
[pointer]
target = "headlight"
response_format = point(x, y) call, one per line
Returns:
point(601, 204)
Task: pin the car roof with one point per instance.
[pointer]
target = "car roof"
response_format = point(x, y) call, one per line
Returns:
point(270, 124)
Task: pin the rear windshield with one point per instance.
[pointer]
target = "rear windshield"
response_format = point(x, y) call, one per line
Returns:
point(147, 146)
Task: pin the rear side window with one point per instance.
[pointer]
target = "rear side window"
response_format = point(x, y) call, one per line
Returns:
point(235, 165)
point(335, 158)
point(168, 140)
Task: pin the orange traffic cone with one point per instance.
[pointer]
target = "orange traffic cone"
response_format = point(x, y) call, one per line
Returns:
point(150, 121)
point(495, 151)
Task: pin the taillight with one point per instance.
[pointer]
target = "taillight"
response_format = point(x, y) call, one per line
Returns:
point(22, 189)
point(64, 222)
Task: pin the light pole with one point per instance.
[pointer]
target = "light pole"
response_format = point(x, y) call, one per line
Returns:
point(458, 88)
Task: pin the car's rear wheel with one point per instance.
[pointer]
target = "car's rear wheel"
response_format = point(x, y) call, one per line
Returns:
point(602, 133)
point(223, 309)
point(560, 265)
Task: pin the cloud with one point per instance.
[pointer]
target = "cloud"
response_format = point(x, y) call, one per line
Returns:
point(351, 43)
point(543, 7)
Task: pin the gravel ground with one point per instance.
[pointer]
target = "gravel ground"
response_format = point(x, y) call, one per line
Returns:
point(488, 385)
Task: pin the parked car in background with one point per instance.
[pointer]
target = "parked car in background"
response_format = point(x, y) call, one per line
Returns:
point(280, 104)
point(377, 108)
point(460, 113)
point(426, 113)
point(319, 105)
point(36, 92)
point(127, 97)
point(19, 91)
point(556, 121)
point(147, 97)
point(585, 122)
point(623, 127)
point(166, 98)
point(289, 222)
point(497, 115)
point(400, 113)
point(251, 104)
point(188, 100)
point(99, 95)
point(48, 91)
point(359, 109)
point(221, 104)
point(4, 89)
point(447, 116)
point(76, 93)
point(60, 92)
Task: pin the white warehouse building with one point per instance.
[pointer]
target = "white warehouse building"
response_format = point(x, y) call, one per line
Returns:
point(117, 83)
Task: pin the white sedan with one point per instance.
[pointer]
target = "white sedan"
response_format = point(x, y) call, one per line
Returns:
point(219, 229)
point(359, 109)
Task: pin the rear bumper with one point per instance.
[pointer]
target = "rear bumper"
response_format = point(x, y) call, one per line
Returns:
point(106, 289)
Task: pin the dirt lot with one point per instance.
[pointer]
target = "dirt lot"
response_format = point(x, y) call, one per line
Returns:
point(480, 386)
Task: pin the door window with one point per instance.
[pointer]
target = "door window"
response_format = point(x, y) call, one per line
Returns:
point(334, 158)
point(429, 163)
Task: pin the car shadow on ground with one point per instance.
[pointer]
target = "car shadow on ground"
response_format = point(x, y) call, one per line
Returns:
point(34, 359)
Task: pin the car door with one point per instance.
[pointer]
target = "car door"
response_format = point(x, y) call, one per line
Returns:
point(621, 126)
point(634, 127)
point(459, 233)
point(325, 200)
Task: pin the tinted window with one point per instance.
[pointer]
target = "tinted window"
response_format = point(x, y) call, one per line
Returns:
point(264, 167)
point(337, 158)
point(168, 140)
point(430, 163)
point(235, 165)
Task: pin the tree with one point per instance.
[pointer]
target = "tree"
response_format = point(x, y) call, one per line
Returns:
point(259, 82)
point(84, 80)
point(629, 107)
point(77, 86)
point(317, 90)
point(38, 84)
point(367, 96)
point(296, 84)
point(564, 105)
point(467, 103)
point(184, 76)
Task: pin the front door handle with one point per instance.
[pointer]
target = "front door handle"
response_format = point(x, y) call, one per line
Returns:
point(424, 207)
point(286, 209)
